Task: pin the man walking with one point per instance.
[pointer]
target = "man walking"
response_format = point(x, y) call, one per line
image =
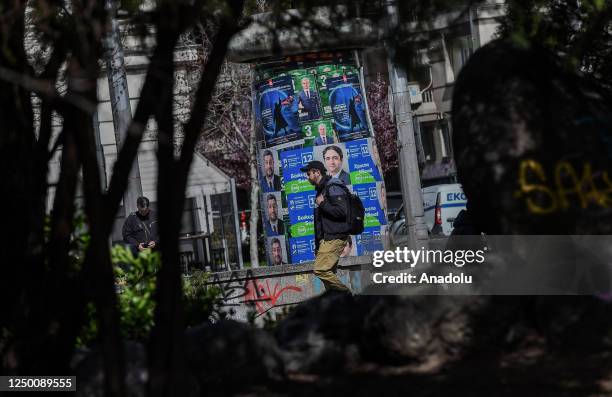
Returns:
point(331, 226)
point(140, 227)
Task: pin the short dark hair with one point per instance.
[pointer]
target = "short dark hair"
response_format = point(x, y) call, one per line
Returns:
point(142, 202)
point(335, 149)
point(268, 153)
point(275, 240)
point(271, 197)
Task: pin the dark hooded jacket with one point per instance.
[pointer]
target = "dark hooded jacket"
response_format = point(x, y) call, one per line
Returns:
point(330, 217)
point(140, 229)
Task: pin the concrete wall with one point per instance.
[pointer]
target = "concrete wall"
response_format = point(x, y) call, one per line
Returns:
point(272, 289)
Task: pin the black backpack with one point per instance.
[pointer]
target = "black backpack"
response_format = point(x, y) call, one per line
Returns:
point(355, 210)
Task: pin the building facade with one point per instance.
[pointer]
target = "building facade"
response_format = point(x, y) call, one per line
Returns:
point(452, 38)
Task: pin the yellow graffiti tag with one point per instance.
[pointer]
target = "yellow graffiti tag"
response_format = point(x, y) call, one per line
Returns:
point(567, 187)
point(527, 188)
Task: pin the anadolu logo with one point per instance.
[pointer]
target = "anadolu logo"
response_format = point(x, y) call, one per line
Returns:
point(301, 229)
point(365, 151)
point(294, 188)
point(359, 177)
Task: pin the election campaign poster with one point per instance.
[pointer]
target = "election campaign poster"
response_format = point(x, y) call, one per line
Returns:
point(323, 92)
point(369, 241)
point(302, 249)
point(369, 195)
point(362, 161)
point(291, 162)
point(350, 249)
point(335, 160)
point(277, 251)
point(348, 107)
point(276, 110)
point(382, 200)
point(273, 214)
point(311, 107)
point(301, 213)
point(269, 173)
point(319, 132)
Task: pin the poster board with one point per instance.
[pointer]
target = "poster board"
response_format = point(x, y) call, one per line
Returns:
point(313, 107)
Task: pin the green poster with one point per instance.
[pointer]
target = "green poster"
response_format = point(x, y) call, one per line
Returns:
point(319, 132)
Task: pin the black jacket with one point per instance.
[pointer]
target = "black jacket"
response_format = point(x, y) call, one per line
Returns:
point(138, 229)
point(330, 216)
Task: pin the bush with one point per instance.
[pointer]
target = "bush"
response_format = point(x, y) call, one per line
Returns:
point(136, 278)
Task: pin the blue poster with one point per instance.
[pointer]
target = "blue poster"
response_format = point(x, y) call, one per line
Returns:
point(295, 181)
point(301, 213)
point(369, 241)
point(301, 206)
point(276, 110)
point(362, 167)
point(348, 107)
point(374, 215)
point(302, 249)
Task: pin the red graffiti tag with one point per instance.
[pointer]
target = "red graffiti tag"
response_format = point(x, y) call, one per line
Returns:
point(263, 296)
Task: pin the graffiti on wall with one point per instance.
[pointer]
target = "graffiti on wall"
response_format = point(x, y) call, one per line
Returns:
point(566, 186)
point(262, 294)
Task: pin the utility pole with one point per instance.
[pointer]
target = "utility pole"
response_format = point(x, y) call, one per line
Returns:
point(410, 179)
point(100, 152)
point(120, 103)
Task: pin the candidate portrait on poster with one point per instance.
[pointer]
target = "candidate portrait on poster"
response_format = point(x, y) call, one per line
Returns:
point(335, 160)
point(270, 180)
point(278, 251)
point(308, 98)
point(273, 220)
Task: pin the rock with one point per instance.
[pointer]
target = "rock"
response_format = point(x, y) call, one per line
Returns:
point(230, 354)
point(532, 143)
point(400, 330)
point(321, 334)
point(334, 333)
point(396, 330)
point(580, 323)
point(90, 373)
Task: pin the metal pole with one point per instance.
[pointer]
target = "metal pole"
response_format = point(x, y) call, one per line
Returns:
point(236, 223)
point(100, 152)
point(120, 103)
point(408, 161)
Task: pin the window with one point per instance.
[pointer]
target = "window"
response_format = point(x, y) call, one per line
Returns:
point(427, 140)
point(459, 49)
point(447, 140)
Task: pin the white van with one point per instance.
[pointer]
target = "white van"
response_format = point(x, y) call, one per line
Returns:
point(442, 204)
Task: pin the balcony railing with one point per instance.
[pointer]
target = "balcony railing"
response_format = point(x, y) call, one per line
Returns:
point(428, 95)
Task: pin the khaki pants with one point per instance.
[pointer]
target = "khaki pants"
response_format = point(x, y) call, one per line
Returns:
point(326, 262)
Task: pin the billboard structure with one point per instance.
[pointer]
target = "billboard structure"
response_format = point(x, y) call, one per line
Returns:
point(313, 107)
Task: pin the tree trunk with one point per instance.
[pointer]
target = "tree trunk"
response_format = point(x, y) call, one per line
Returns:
point(254, 196)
